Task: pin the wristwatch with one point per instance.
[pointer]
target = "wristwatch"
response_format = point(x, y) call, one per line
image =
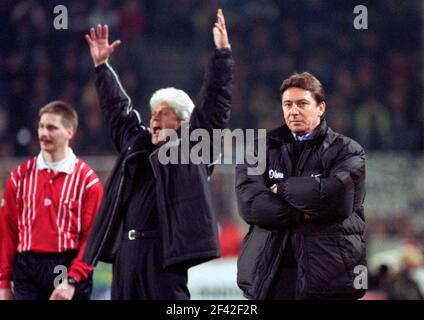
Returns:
point(72, 281)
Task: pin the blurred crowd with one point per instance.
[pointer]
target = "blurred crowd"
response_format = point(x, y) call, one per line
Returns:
point(372, 77)
point(395, 250)
point(373, 80)
point(405, 281)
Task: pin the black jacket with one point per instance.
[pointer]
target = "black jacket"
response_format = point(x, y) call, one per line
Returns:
point(188, 227)
point(329, 185)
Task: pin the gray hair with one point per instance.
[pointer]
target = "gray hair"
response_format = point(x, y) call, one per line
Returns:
point(176, 99)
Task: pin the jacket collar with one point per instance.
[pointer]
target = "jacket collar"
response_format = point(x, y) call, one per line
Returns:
point(283, 133)
point(66, 165)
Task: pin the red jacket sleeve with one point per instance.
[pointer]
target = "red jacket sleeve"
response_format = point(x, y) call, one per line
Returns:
point(91, 203)
point(8, 232)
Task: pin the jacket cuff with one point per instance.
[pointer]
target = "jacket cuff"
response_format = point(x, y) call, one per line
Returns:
point(100, 67)
point(226, 52)
point(80, 272)
point(281, 187)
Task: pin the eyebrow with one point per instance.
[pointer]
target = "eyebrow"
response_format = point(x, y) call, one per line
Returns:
point(163, 109)
point(48, 125)
point(300, 100)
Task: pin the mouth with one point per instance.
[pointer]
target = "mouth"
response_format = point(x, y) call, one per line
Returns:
point(296, 121)
point(156, 130)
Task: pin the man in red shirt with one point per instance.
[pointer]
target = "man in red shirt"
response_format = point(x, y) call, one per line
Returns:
point(46, 215)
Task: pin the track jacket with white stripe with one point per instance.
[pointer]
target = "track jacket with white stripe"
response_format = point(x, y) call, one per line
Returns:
point(48, 211)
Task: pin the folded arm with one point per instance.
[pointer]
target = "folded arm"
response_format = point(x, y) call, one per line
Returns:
point(258, 205)
point(333, 197)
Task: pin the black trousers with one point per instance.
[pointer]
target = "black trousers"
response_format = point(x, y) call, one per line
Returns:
point(33, 275)
point(138, 273)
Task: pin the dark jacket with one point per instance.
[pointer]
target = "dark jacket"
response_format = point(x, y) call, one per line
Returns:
point(329, 185)
point(188, 227)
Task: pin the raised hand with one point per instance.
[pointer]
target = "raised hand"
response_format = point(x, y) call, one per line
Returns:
point(220, 32)
point(99, 44)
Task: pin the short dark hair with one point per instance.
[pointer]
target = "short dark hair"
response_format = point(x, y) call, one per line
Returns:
point(305, 81)
point(69, 115)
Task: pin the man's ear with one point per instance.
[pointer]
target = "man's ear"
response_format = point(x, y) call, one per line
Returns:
point(71, 133)
point(321, 107)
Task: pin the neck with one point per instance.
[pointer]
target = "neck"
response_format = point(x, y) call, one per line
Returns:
point(56, 156)
point(311, 130)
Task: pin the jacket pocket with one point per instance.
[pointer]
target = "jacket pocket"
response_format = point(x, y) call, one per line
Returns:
point(328, 268)
point(250, 263)
point(352, 248)
point(353, 252)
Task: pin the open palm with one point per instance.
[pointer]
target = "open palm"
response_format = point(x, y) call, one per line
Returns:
point(99, 44)
point(220, 35)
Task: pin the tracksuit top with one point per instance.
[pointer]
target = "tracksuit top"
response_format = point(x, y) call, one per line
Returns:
point(48, 211)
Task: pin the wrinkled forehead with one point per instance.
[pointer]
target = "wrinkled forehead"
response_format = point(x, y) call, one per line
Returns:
point(163, 106)
point(294, 94)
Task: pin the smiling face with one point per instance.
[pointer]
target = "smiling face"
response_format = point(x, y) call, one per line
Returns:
point(302, 113)
point(163, 117)
point(52, 134)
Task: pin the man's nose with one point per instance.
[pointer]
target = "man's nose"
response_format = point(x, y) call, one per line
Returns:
point(156, 116)
point(43, 132)
point(294, 109)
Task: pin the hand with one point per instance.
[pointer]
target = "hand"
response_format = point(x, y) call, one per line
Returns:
point(64, 291)
point(274, 189)
point(220, 36)
point(99, 44)
point(6, 294)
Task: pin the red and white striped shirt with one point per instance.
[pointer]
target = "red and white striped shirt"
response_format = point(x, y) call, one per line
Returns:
point(45, 210)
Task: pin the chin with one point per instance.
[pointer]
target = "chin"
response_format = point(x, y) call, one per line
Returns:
point(46, 149)
point(298, 130)
point(156, 142)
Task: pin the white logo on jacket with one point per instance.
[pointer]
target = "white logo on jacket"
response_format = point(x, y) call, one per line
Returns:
point(274, 174)
point(47, 202)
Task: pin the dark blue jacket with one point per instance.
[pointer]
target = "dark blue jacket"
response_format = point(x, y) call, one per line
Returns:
point(328, 183)
point(188, 226)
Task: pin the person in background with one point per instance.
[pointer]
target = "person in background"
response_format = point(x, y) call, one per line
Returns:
point(46, 215)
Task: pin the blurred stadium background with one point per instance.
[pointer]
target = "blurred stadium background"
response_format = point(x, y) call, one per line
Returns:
point(373, 79)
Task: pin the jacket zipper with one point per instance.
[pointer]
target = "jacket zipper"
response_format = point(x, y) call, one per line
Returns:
point(287, 161)
point(121, 182)
point(260, 287)
point(302, 159)
point(151, 162)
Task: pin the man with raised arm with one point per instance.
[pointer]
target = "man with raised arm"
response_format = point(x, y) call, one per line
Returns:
point(156, 219)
